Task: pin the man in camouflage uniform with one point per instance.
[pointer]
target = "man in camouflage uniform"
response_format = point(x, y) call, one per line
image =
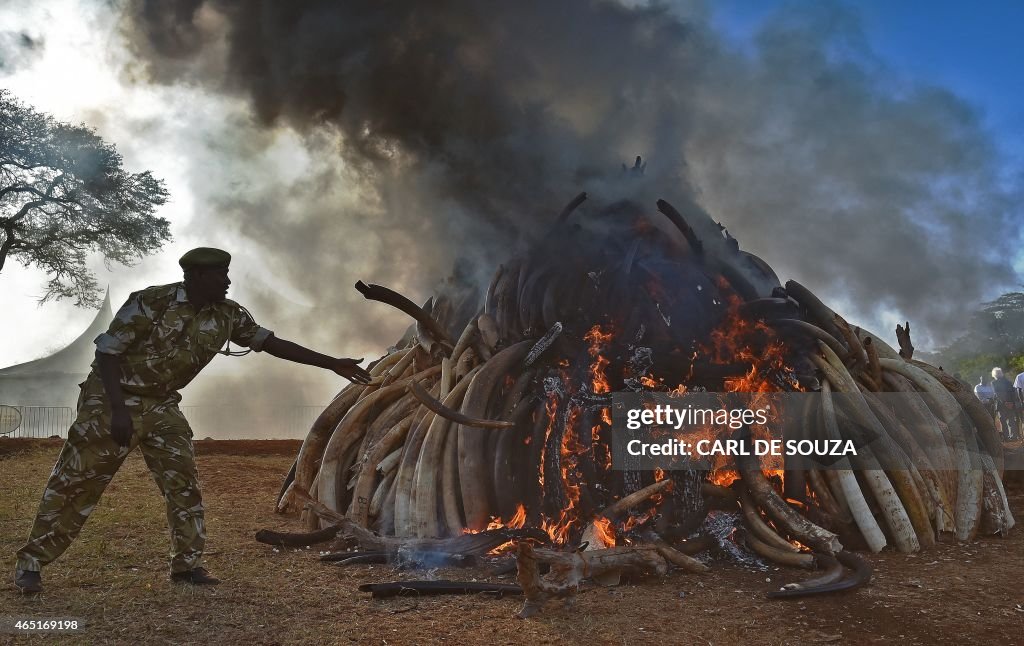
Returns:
point(157, 343)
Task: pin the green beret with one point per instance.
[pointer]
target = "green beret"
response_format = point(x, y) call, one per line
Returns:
point(205, 258)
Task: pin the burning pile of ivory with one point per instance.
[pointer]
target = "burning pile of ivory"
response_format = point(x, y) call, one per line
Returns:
point(493, 413)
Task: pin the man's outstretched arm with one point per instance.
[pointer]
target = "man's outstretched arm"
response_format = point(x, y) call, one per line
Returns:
point(348, 368)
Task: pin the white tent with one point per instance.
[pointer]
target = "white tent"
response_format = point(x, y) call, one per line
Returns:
point(53, 380)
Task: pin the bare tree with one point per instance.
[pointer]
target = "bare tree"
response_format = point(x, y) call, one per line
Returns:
point(63, 194)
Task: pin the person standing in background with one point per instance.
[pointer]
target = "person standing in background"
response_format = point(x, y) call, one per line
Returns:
point(984, 391)
point(1018, 386)
point(1007, 405)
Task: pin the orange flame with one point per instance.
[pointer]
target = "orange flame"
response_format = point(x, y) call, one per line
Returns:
point(636, 520)
point(723, 477)
point(570, 451)
point(550, 408)
point(604, 531)
point(558, 530)
point(649, 382)
point(740, 339)
point(517, 521)
point(681, 389)
point(598, 339)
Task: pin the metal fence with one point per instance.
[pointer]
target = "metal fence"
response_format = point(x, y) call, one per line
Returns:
point(220, 422)
point(44, 421)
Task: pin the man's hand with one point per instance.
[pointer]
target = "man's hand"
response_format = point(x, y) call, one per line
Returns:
point(349, 369)
point(121, 426)
point(289, 351)
point(120, 420)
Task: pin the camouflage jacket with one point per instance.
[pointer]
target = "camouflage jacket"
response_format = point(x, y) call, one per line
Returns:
point(163, 342)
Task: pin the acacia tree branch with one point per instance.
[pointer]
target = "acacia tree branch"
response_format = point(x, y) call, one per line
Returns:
point(14, 188)
point(11, 162)
point(28, 206)
point(64, 194)
point(10, 242)
point(5, 247)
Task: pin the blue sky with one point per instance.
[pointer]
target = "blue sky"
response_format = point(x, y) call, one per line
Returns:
point(975, 49)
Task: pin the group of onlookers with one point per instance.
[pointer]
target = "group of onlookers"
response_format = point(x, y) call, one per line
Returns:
point(1005, 400)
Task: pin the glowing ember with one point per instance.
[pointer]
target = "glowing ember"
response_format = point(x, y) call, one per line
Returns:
point(635, 520)
point(649, 382)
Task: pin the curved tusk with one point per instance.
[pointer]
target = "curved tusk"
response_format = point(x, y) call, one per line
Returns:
point(453, 415)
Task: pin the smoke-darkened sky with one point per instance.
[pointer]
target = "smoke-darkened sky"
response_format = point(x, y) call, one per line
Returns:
point(327, 142)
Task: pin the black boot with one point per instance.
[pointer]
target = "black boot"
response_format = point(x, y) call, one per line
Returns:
point(28, 582)
point(195, 576)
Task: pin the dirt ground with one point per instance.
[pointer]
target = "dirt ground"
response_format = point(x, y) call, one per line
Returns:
point(115, 578)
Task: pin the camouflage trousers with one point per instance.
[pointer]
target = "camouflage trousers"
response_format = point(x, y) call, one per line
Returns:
point(90, 458)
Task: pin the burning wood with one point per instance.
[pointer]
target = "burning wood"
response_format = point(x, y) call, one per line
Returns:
point(569, 569)
point(459, 446)
point(470, 544)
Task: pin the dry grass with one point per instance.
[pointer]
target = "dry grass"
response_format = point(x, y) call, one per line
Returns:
point(115, 577)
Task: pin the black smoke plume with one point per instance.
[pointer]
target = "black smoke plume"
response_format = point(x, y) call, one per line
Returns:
point(459, 129)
